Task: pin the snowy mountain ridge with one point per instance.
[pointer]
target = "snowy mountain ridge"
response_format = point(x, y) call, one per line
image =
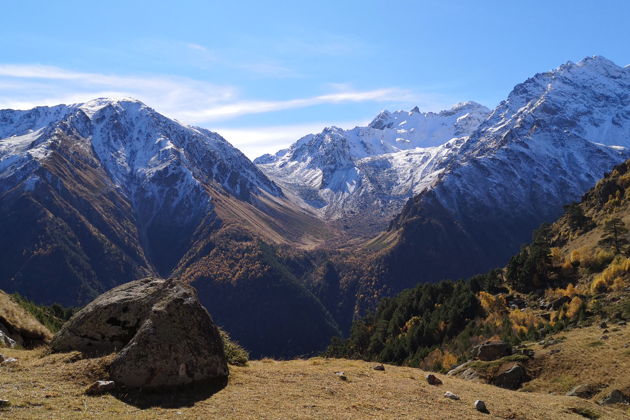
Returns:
point(134, 144)
point(340, 173)
point(163, 175)
point(375, 169)
point(552, 139)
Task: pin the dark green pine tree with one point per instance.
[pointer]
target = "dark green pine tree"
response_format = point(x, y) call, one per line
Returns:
point(576, 217)
point(615, 235)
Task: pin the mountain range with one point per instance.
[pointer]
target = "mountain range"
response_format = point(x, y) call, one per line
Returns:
point(284, 251)
point(345, 174)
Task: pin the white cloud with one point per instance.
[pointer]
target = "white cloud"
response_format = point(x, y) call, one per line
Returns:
point(55, 85)
point(191, 101)
point(256, 107)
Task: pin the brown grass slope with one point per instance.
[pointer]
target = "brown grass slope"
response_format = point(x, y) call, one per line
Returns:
point(52, 386)
point(20, 322)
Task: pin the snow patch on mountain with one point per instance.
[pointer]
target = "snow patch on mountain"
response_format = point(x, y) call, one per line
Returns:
point(135, 145)
point(575, 116)
point(376, 168)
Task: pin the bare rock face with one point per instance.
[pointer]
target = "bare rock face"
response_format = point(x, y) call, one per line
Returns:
point(111, 320)
point(163, 335)
point(5, 340)
point(178, 344)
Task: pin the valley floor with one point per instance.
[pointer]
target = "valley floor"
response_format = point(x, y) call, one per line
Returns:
point(52, 386)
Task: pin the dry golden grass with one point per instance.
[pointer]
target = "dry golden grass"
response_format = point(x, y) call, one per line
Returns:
point(19, 319)
point(51, 386)
point(584, 358)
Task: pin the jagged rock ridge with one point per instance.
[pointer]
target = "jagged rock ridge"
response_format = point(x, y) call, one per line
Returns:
point(344, 174)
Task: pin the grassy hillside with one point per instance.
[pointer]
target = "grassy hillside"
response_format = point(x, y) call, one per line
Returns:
point(574, 272)
point(52, 386)
point(21, 323)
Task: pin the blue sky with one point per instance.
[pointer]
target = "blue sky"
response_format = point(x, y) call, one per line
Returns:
point(265, 73)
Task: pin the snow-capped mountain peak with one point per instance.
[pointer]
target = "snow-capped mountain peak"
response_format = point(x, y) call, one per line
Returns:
point(165, 174)
point(574, 114)
point(95, 105)
point(339, 172)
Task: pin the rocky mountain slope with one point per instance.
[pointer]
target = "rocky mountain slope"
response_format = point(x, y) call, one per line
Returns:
point(553, 137)
point(98, 194)
point(116, 183)
point(344, 174)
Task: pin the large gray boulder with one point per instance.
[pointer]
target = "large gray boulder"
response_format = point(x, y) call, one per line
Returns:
point(178, 344)
point(492, 350)
point(111, 320)
point(163, 335)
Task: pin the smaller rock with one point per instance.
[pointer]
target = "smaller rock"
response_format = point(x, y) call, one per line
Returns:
point(6, 341)
point(554, 351)
point(342, 376)
point(582, 391)
point(481, 407)
point(433, 380)
point(605, 331)
point(100, 387)
point(470, 374)
point(527, 352)
point(379, 367)
point(510, 376)
point(8, 360)
point(4, 403)
point(450, 395)
point(457, 369)
point(604, 337)
point(622, 323)
point(2, 358)
point(603, 325)
point(615, 397)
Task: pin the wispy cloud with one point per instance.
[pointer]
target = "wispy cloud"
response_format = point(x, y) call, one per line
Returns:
point(256, 107)
point(56, 85)
point(192, 101)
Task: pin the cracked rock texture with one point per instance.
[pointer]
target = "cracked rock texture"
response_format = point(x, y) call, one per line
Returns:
point(162, 333)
